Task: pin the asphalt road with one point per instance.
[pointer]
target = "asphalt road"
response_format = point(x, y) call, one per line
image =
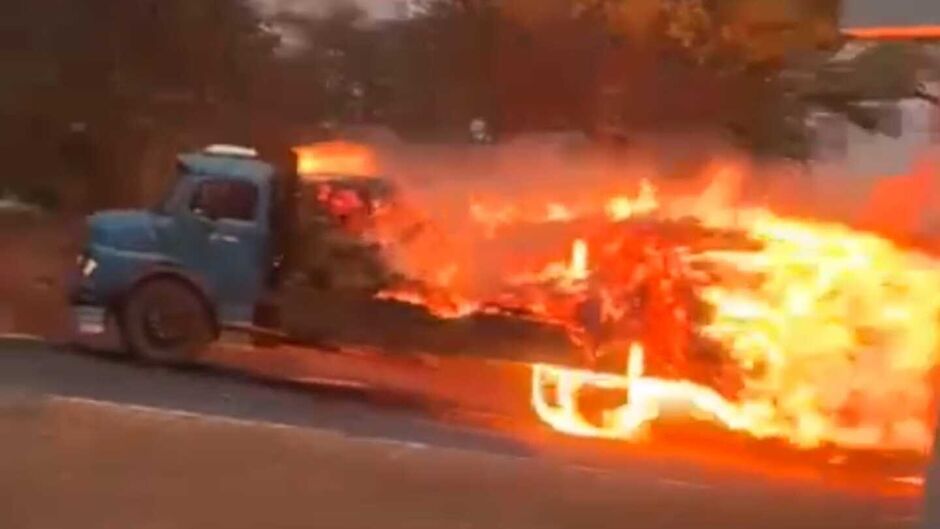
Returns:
point(97, 442)
point(37, 369)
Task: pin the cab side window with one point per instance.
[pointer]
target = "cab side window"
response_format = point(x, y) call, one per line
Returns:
point(226, 200)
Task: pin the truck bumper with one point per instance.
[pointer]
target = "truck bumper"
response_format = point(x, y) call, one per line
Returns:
point(94, 327)
point(89, 320)
point(89, 316)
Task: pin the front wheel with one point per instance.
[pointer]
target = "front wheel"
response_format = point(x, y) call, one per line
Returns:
point(165, 321)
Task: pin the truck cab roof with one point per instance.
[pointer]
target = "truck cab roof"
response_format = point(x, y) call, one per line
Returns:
point(221, 163)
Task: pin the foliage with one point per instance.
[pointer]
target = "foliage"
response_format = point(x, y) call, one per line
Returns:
point(94, 91)
point(724, 31)
point(106, 77)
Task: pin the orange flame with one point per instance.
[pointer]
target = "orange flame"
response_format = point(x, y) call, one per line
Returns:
point(840, 334)
point(895, 33)
point(332, 158)
point(623, 207)
point(646, 396)
point(835, 331)
point(578, 268)
point(827, 334)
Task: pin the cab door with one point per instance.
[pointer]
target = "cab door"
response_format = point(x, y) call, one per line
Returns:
point(227, 216)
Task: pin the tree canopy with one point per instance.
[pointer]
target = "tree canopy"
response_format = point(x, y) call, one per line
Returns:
point(737, 31)
point(91, 87)
point(98, 77)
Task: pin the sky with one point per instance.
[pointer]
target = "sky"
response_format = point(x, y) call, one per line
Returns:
point(376, 8)
point(857, 13)
point(861, 13)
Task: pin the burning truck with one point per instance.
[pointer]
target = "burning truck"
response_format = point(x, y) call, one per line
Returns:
point(811, 332)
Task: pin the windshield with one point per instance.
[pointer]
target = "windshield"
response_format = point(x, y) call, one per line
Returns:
point(170, 197)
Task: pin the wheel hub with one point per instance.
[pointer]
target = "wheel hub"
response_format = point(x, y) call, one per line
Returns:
point(166, 326)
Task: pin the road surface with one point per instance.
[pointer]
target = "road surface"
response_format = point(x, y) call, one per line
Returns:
point(92, 442)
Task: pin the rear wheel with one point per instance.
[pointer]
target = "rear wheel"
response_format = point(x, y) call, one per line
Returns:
point(165, 321)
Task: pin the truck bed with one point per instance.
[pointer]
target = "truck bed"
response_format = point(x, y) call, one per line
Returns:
point(358, 320)
point(347, 315)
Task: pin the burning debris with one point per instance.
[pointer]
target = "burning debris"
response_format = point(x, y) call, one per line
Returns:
point(779, 328)
point(776, 327)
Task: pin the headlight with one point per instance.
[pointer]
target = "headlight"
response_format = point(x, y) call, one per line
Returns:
point(89, 267)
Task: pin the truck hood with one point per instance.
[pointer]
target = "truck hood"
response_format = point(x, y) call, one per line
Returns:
point(131, 230)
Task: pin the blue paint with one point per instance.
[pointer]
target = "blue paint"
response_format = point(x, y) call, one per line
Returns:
point(227, 259)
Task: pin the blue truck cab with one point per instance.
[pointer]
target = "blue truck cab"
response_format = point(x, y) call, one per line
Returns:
point(217, 251)
point(171, 277)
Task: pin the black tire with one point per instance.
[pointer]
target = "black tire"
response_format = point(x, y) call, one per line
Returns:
point(165, 321)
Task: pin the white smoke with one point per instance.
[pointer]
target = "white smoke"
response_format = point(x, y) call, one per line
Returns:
point(374, 9)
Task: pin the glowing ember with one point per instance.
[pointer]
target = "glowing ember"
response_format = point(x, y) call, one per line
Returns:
point(645, 398)
point(558, 213)
point(624, 207)
point(578, 269)
point(444, 307)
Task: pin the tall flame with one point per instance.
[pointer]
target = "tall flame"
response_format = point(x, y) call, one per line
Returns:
point(826, 334)
point(836, 333)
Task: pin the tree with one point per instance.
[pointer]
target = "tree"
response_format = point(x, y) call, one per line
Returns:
point(122, 72)
point(520, 65)
point(740, 32)
point(733, 52)
point(438, 67)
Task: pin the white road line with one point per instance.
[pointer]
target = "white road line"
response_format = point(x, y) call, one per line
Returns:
point(909, 480)
point(680, 484)
point(167, 412)
point(415, 446)
point(402, 447)
point(21, 337)
point(592, 470)
point(907, 520)
point(230, 421)
point(332, 382)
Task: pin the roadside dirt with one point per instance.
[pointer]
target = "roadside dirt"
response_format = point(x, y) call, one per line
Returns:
point(36, 254)
point(88, 465)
